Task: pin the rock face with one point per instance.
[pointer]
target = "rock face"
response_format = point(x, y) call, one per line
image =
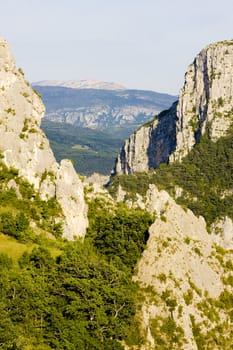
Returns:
point(182, 270)
point(149, 146)
point(222, 232)
point(205, 105)
point(24, 146)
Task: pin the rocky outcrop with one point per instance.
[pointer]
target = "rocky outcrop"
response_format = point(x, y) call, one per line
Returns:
point(222, 232)
point(24, 146)
point(180, 272)
point(205, 105)
point(102, 116)
point(206, 100)
point(149, 146)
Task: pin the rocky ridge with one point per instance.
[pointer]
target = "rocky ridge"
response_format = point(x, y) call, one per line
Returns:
point(204, 106)
point(185, 271)
point(24, 146)
point(82, 84)
point(182, 270)
point(184, 275)
point(103, 116)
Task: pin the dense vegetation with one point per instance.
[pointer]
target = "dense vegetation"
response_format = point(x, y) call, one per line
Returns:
point(20, 205)
point(90, 150)
point(121, 234)
point(78, 301)
point(80, 295)
point(66, 295)
point(205, 175)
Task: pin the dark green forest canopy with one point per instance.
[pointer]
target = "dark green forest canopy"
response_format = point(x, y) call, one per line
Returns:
point(77, 302)
point(90, 150)
point(83, 299)
point(17, 210)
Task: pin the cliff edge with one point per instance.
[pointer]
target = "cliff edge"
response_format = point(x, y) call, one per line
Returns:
point(24, 146)
point(205, 106)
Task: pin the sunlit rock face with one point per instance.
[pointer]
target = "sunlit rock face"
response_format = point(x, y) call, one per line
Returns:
point(180, 265)
point(24, 146)
point(205, 105)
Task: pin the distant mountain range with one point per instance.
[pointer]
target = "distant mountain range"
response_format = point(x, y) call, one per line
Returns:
point(82, 84)
point(99, 105)
point(96, 118)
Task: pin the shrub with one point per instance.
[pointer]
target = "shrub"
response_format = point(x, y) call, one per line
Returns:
point(120, 234)
point(10, 111)
point(162, 277)
point(188, 297)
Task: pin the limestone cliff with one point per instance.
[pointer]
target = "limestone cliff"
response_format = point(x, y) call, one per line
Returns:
point(149, 146)
point(205, 105)
point(183, 275)
point(24, 146)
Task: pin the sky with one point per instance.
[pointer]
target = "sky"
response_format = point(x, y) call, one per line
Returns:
point(142, 44)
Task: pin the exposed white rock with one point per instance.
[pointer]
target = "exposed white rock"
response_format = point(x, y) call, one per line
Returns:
point(205, 105)
point(222, 233)
point(69, 193)
point(102, 116)
point(148, 146)
point(206, 100)
point(25, 147)
point(179, 255)
point(135, 152)
point(97, 178)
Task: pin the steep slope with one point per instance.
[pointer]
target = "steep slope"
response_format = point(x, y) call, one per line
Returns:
point(24, 146)
point(149, 146)
point(185, 272)
point(205, 106)
point(91, 150)
point(186, 279)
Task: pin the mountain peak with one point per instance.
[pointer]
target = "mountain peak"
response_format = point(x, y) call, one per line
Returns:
point(82, 84)
point(24, 147)
point(205, 106)
point(205, 101)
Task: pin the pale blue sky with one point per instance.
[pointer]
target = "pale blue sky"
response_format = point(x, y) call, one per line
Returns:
point(143, 44)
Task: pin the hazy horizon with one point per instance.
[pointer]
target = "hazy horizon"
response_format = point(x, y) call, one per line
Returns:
point(140, 44)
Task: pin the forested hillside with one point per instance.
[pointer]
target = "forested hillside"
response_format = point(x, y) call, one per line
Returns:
point(90, 150)
point(67, 295)
point(90, 125)
point(205, 178)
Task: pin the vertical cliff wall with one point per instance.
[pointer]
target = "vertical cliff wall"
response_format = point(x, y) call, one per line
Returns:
point(183, 280)
point(205, 105)
point(24, 146)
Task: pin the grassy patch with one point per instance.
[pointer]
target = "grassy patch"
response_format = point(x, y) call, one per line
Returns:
point(13, 248)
